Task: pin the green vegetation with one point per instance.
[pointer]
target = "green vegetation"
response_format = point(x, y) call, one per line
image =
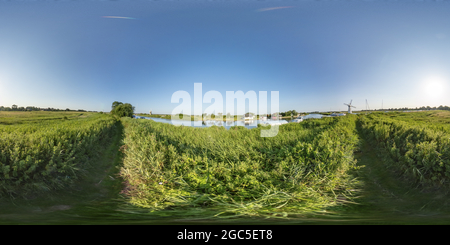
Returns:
point(436, 119)
point(289, 113)
point(42, 152)
point(17, 117)
point(441, 107)
point(418, 150)
point(33, 108)
point(305, 168)
point(236, 172)
point(308, 168)
point(122, 110)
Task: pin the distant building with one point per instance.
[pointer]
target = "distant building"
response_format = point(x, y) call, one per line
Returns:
point(248, 116)
point(275, 116)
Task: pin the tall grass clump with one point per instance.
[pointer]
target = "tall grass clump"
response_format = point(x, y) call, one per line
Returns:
point(304, 169)
point(49, 154)
point(419, 152)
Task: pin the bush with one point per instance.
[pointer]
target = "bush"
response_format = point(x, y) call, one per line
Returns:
point(122, 110)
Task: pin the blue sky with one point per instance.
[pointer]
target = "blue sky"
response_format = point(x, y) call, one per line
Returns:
point(317, 54)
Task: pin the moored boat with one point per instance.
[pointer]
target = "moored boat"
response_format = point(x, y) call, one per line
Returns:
point(298, 119)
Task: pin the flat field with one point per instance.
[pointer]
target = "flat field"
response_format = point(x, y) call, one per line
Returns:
point(42, 151)
point(417, 144)
point(19, 117)
point(375, 165)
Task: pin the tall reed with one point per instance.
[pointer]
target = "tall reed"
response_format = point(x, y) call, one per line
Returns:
point(236, 172)
point(419, 151)
point(49, 154)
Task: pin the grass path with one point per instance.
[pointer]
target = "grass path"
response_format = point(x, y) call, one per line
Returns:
point(386, 198)
point(89, 201)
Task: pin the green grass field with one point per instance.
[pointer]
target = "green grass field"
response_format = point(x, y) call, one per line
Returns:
point(417, 143)
point(305, 168)
point(41, 151)
point(308, 168)
point(20, 117)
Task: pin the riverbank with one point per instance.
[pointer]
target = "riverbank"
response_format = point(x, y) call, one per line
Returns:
point(198, 118)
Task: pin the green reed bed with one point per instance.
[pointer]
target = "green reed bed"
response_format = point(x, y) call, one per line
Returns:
point(48, 154)
point(26, 117)
point(304, 169)
point(419, 151)
point(438, 119)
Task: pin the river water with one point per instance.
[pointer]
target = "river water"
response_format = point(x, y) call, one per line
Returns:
point(226, 124)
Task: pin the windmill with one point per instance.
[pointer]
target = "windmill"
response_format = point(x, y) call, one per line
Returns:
point(350, 107)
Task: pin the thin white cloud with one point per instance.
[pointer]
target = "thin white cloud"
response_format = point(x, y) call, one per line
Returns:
point(273, 8)
point(118, 17)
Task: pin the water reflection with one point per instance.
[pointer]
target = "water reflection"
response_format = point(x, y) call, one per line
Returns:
point(209, 123)
point(313, 116)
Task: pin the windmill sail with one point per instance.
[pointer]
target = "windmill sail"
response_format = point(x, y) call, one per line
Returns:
point(350, 107)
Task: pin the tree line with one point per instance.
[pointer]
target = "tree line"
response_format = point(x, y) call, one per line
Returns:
point(441, 107)
point(33, 108)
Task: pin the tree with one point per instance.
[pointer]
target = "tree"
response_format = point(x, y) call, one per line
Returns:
point(115, 104)
point(14, 107)
point(122, 110)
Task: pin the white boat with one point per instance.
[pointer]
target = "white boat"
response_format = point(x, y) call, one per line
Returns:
point(298, 119)
point(275, 122)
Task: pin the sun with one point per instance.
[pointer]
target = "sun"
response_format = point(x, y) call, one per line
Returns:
point(434, 87)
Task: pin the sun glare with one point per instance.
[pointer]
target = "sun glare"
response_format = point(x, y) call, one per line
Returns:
point(434, 87)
